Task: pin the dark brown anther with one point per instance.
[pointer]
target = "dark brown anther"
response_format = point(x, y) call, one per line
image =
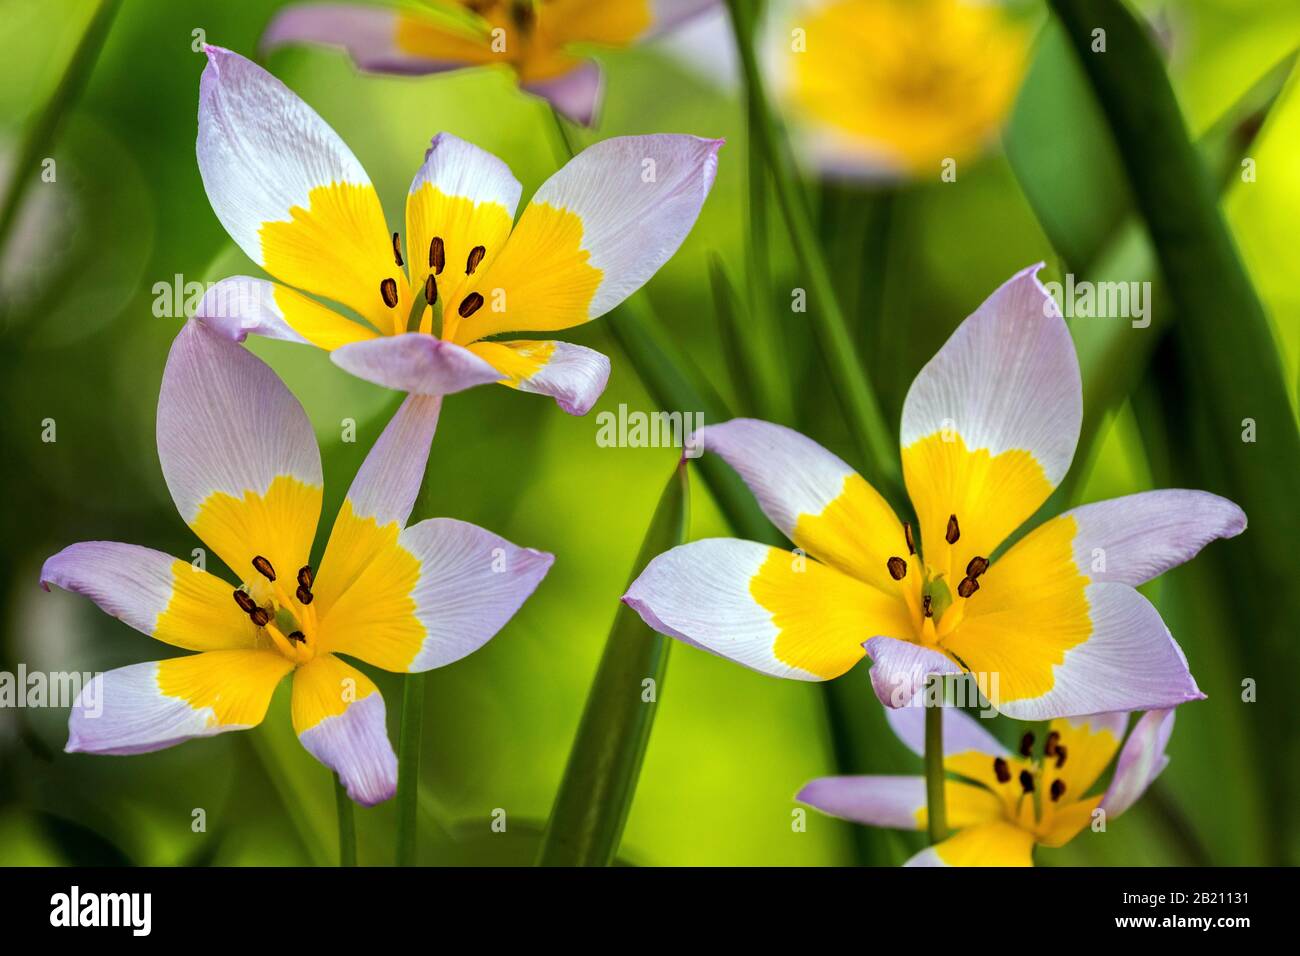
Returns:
point(437, 255)
point(976, 566)
point(897, 568)
point(304, 596)
point(475, 257)
point(1050, 744)
point(1057, 790)
point(264, 568)
point(388, 292)
point(305, 576)
point(470, 304)
point(953, 532)
point(397, 249)
point(1001, 770)
point(967, 587)
point(245, 601)
point(1027, 745)
point(1026, 781)
point(260, 617)
point(926, 609)
point(911, 541)
point(430, 290)
point(1060, 756)
point(297, 637)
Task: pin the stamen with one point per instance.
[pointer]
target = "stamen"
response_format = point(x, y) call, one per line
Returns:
point(388, 292)
point(1026, 781)
point(305, 576)
point(264, 568)
point(907, 533)
point(977, 566)
point(260, 616)
point(1001, 769)
point(245, 601)
point(953, 532)
point(430, 290)
point(1050, 744)
point(397, 249)
point(897, 568)
point(1057, 790)
point(297, 637)
point(475, 257)
point(1027, 744)
point(304, 596)
point(470, 304)
point(926, 609)
point(437, 255)
point(967, 587)
point(1060, 756)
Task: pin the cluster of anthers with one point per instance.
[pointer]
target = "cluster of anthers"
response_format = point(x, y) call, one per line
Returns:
point(935, 597)
point(289, 630)
point(1054, 752)
point(437, 262)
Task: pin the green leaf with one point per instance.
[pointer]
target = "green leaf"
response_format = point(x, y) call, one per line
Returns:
point(735, 347)
point(595, 795)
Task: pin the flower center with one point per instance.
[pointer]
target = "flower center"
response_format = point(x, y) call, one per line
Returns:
point(288, 622)
point(428, 295)
point(1031, 785)
point(936, 607)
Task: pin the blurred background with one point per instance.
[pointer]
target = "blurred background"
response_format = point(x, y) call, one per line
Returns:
point(84, 350)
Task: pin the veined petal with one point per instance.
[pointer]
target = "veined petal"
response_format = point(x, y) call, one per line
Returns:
point(241, 305)
point(290, 192)
point(571, 374)
point(1051, 642)
point(991, 422)
point(1133, 539)
point(338, 714)
point(155, 593)
point(897, 802)
point(899, 669)
point(438, 591)
point(594, 233)
point(961, 732)
point(238, 454)
point(463, 199)
point(415, 362)
point(380, 500)
point(996, 843)
point(1140, 762)
point(147, 707)
point(776, 612)
point(814, 498)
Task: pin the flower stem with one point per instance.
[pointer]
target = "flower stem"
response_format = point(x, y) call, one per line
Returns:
point(347, 826)
point(408, 768)
point(935, 811)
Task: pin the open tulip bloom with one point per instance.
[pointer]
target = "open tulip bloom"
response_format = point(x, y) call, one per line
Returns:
point(295, 199)
point(536, 40)
point(1053, 628)
point(243, 467)
point(1006, 802)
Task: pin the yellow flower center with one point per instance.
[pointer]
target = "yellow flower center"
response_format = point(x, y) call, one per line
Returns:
point(289, 622)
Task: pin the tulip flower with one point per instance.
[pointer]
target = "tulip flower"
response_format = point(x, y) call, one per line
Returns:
point(542, 43)
point(1054, 627)
point(1007, 803)
point(241, 462)
point(425, 316)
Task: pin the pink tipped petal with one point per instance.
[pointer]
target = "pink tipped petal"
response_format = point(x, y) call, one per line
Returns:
point(571, 374)
point(637, 197)
point(961, 732)
point(576, 94)
point(227, 424)
point(1140, 762)
point(1007, 379)
point(669, 14)
point(892, 802)
point(388, 481)
point(899, 669)
point(355, 745)
point(367, 33)
point(241, 305)
point(1133, 539)
point(262, 150)
point(416, 363)
point(1130, 662)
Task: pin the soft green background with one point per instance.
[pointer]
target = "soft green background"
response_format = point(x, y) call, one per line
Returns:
point(82, 346)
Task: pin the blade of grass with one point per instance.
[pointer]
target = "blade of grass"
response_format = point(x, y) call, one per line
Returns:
point(408, 768)
point(726, 307)
point(347, 826)
point(595, 794)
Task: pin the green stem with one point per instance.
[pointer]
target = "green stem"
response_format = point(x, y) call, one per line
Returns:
point(873, 437)
point(347, 826)
point(40, 135)
point(935, 810)
point(408, 768)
